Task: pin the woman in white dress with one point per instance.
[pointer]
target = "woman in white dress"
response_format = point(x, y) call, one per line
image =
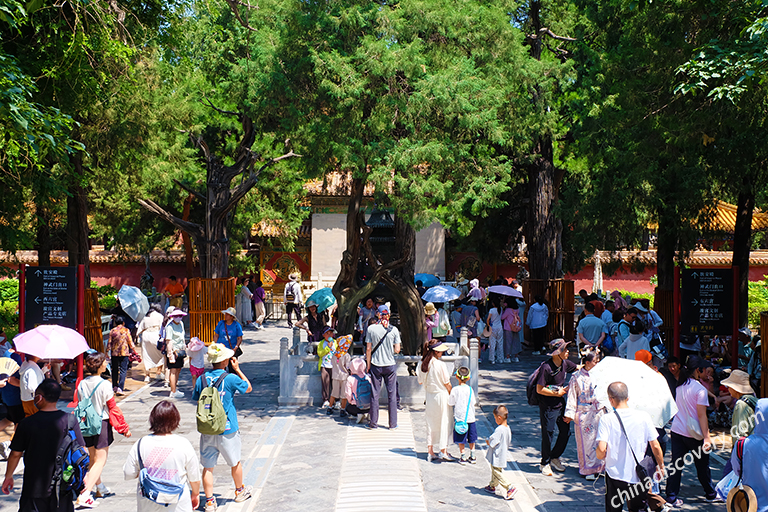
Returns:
point(434, 375)
point(149, 333)
point(167, 456)
point(243, 304)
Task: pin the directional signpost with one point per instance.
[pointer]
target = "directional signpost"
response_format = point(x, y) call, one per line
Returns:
point(707, 301)
point(51, 297)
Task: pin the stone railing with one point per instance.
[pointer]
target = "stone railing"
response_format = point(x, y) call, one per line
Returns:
point(300, 378)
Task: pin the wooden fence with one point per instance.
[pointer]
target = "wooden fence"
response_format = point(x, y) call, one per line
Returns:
point(207, 298)
point(93, 334)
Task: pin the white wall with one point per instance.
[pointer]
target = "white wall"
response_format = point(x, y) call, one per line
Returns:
point(329, 240)
point(430, 250)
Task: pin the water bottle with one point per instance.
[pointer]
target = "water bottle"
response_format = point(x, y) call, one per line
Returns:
point(67, 473)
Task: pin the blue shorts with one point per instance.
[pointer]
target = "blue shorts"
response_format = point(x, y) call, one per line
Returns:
point(468, 437)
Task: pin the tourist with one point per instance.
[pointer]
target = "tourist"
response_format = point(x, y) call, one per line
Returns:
point(583, 409)
point(433, 374)
point(753, 466)
point(443, 328)
point(456, 319)
point(635, 341)
point(537, 320)
point(10, 393)
point(430, 318)
point(175, 350)
point(149, 334)
point(119, 346)
point(672, 374)
point(512, 326)
point(259, 310)
point(365, 314)
point(607, 316)
point(470, 317)
point(496, 342)
point(37, 439)
point(197, 351)
point(475, 290)
point(243, 302)
point(292, 298)
point(167, 456)
point(618, 301)
point(314, 323)
point(228, 443)
point(31, 376)
point(325, 365)
point(591, 329)
point(690, 431)
point(381, 344)
point(340, 359)
point(102, 398)
point(743, 419)
point(623, 327)
point(463, 400)
point(358, 390)
point(498, 446)
point(552, 391)
point(623, 436)
point(174, 290)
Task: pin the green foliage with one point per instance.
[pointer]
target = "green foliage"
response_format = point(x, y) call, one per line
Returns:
point(9, 318)
point(9, 290)
point(758, 300)
point(635, 295)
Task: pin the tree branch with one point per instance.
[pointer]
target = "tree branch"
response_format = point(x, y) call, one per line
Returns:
point(544, 31)
point(194, 230)
point(233, 7)
point(220, 111)
point(190, 190)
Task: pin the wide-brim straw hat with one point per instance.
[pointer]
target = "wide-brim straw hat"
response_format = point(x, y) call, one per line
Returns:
point(229, 311)
point(739, 381)
point(741, 500)
point(430, 309)
point(293, 277)
point(218, 353)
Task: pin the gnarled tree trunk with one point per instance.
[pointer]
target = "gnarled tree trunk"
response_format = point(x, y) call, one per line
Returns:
point(742, 243)
point(77, 223)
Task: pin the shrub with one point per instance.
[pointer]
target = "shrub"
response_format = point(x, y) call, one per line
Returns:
point(9, 318)
point(758, 300)
point(9, 290)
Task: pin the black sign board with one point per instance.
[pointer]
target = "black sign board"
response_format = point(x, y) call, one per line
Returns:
point(707, 301)
point(51, 297)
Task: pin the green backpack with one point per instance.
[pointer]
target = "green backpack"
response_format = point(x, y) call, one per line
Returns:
point(211, 416)
point(90, 421)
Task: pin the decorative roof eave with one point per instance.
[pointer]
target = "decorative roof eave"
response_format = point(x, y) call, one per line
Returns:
point(648, 258)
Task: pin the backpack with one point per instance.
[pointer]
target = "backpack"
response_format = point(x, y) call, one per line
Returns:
point(90, 421)
point(363, 392)
point(156, 489)
point(211, 416)
point(289, 295)
point(70, 465)
point(530, 388)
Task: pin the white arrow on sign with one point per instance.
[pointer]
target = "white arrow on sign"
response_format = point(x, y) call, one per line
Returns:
point(695, 275)
point(37, 300)
point(37, 273)
point(695, 302)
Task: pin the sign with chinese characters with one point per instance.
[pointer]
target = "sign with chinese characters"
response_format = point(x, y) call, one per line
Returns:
point(707, 301)
point(51, 297)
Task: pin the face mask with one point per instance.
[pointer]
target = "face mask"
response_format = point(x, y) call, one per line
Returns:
point(176, 320)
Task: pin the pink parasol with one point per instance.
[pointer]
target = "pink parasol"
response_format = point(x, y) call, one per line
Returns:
point(51, 342)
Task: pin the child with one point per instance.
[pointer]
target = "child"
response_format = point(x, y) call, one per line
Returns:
point(498, 445)
point(325, 365)
point(340, 372)
point(358, 390)
point(463, 401)
point(197, 351)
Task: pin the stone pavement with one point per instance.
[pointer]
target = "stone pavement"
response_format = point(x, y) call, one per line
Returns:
point(301, 459)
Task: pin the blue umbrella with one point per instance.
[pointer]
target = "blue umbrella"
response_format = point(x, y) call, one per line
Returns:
point(441, 294)
point(426, 279)
point(323, 298)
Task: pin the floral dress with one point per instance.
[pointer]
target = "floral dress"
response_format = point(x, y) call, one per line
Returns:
point(586, 412)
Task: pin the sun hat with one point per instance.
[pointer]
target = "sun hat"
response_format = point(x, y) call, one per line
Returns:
point(644, 356)
point(311, 303)
point(383, 309)
point(741, 498)
point(218, 353)
point(438, 347)
point(463, 282)
point(293, 276)
point(177, 312)
point(229, 311)
point(430, 309)
point(640, 307)
point(328, 329)
point(739, 381)
point(558, 346)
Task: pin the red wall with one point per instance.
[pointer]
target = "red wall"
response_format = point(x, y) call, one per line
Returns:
point(130, 274)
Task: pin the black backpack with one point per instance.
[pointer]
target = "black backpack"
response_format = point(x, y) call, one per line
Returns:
point(71, 464)
point(531, 389)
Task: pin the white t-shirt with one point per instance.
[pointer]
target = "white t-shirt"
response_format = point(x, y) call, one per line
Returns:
point(632, 344)
point(31, 377)
point(197, 357)
point(619, 463)
point(170, 457)
point(458, 399)
point(687, 397)
point(100, 397)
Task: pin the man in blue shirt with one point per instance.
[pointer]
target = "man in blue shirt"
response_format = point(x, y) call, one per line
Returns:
point(228, 443)
point(591, 329)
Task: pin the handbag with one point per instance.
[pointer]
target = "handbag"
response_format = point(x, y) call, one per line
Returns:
point(238, 350)
point(461, 427)
point(643, 468)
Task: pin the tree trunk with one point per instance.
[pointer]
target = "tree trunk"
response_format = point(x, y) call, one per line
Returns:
point(742, 243)
point(43, 236)
point(77, 223)
point(665, 255)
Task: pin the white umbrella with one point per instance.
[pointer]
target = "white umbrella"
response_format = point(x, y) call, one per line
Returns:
point(648, 390)
point(443, 293)
point(133, 301)
point(504, 290)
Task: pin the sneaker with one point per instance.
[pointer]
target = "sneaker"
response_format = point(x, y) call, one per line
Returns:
point(325, 405)
point(492, 362)
point(546, 470)
point(507, 360)
point(176, 394)
point(343, 414)
point(591, 478)
point(557, 465)
point(5, 449)
point(146, 379)
point(329, 411)
point(210, 505)
point(243, 494)
point(337, 405)
point(361, 418)
point(715, 499)
point(489, 489)
point(511, 493)
point(472, 458)
point(464, 458)
point(119, 392)
point(535, 353)
point(445, 457)
point(666, 508)
point(430, 457)
point(85, 501)
point(102, 491)
point(515, 359)
point(676, 503)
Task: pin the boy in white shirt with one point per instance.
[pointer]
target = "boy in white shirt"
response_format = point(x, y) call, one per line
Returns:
point(463, 401)
point(498, 445)
point(30, 376)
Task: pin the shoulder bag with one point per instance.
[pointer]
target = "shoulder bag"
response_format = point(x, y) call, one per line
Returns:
point(644, 468)
point(461, 427)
